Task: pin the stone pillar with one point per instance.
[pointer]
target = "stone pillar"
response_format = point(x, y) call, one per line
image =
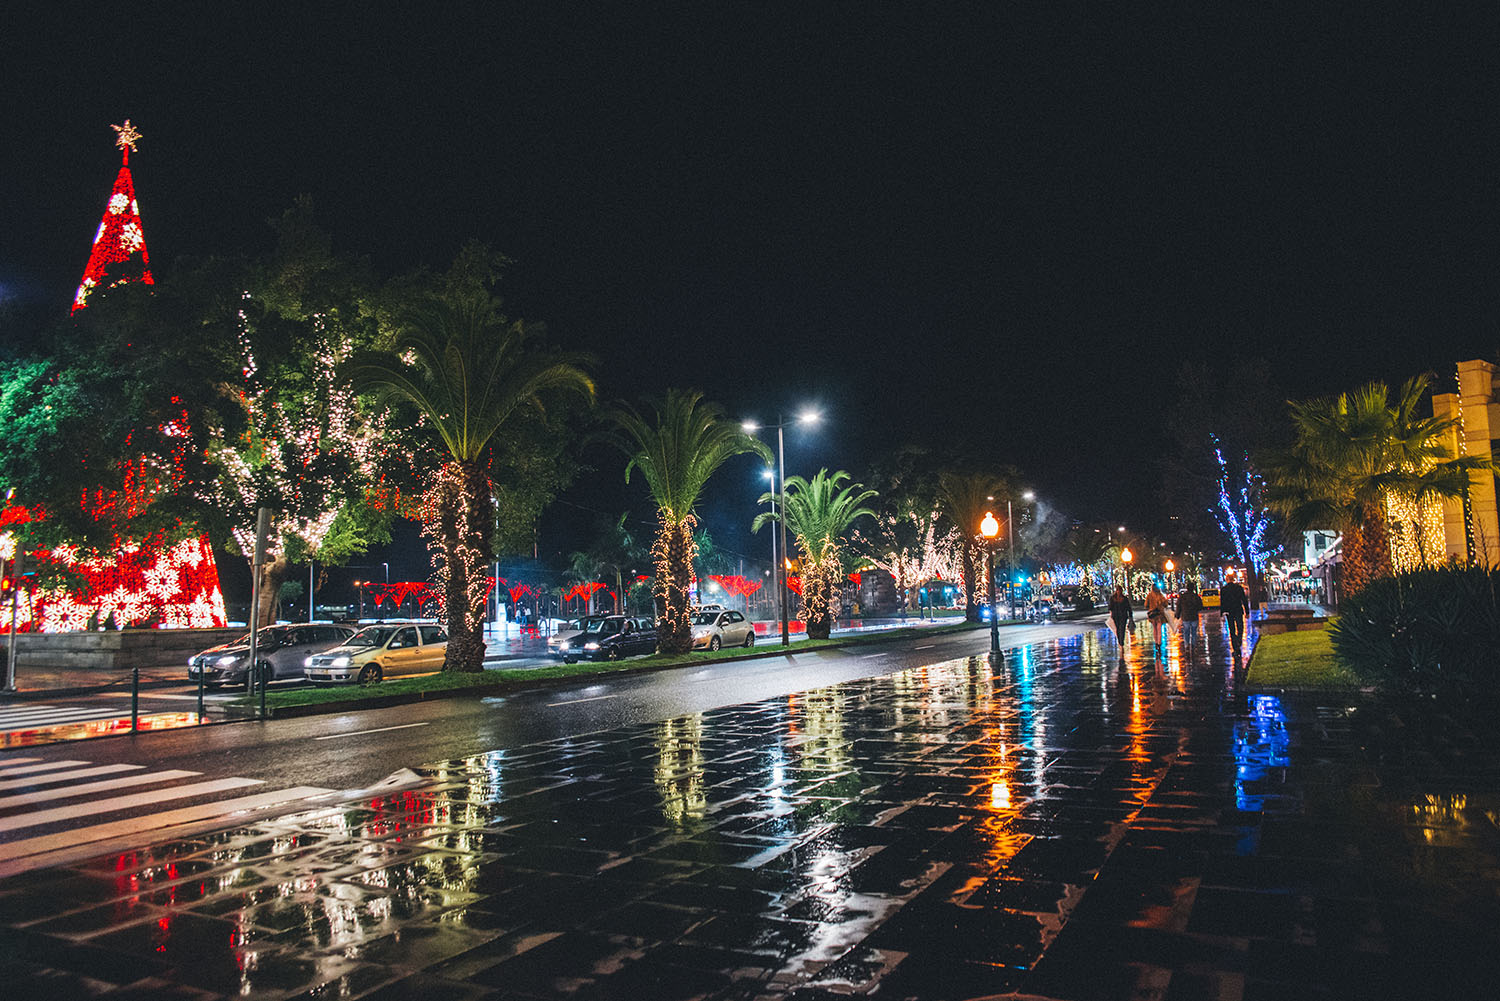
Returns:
point(1481, 422)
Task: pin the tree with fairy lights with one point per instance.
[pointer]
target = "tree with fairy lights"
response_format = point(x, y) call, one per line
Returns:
point(963, 498)
point(818, 512)
point(677, 451)
point(473, 374)
point(331, 468)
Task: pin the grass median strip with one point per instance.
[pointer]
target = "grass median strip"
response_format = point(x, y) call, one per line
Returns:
point(1303, 659)
point(494, 679)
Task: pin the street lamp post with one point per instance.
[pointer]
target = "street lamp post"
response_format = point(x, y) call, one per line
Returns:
point(359, 586)
point(990, 529)
point(751, 427)
point(1010, 531)
point(1125, 557)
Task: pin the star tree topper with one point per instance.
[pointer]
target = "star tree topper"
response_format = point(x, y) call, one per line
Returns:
point(126, 137)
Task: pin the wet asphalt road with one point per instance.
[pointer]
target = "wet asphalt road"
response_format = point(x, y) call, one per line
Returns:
point(355, 750)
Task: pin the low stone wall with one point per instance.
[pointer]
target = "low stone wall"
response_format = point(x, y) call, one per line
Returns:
point(115, 650)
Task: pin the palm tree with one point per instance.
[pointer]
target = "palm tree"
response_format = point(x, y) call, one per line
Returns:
point(964, 498)
point(617, 552)
point(471, 372)
point(1085, 547)
point(689, 439)
point(818, 512)
point(1359, 457)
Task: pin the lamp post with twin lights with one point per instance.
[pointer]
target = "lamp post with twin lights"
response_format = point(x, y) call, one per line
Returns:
point(990, 529)
point(810, 417)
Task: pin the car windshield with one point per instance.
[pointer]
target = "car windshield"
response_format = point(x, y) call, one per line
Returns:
point(266, 638)
point(602, 627)
point(371, 636)
point(705, 618)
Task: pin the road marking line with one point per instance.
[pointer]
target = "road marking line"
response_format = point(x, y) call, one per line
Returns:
point(927, 647)
point(379, 729)
point(123, 802)
point(67, 792)
point(50, 766)
point(81, 773)
point(149, 822)
point(570, 702)
point(18, 761)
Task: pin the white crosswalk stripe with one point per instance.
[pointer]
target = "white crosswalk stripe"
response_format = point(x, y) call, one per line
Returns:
point(32, 717)
point(77, 818)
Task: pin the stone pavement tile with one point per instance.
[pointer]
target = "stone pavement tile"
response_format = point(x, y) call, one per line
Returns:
point(559, 967)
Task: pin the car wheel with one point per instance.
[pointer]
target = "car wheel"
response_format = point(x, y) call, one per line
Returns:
point(370, 674)
point(749, 639)
point(713, 643)
point(613, 653)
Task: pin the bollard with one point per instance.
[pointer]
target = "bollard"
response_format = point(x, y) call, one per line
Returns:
point(200, 693)
point(265, 682)
point(135, 696)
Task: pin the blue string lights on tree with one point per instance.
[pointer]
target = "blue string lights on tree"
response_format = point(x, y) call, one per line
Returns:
point(1241, 513)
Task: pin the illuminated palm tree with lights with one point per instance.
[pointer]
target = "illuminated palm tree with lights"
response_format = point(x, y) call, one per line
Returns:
point(964, 498)
point(472, 373)
point(686, 442)
point(818, 512)
point(1357, 459)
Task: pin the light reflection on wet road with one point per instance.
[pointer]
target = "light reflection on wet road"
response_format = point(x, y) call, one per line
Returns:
point(934, 832)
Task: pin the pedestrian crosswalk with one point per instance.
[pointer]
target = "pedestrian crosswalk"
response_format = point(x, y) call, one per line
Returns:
point(74, 807)
point(25, 716)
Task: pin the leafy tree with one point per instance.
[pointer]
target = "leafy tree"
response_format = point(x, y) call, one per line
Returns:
point(619, 554)
point(327, 465)
point(818, 512)
point(474, 374)
point(1358, 459)
point(104, 429)
point(677, 451)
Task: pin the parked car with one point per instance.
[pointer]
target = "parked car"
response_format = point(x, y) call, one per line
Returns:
point(715, 629)
point(1042, 610)
point(562, 640)
point(615, 638)
point(1210, 596)
point(386, 650)
point(282, 652)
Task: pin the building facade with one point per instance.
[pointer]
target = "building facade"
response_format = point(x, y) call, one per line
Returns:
point(1471, 529)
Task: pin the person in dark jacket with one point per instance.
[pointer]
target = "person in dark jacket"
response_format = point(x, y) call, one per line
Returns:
point(1189, 608)
point(1121, 612)
point(1234, 605)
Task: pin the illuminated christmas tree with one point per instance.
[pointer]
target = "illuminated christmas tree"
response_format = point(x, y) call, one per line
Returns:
point(149, 582)
point(119, 253)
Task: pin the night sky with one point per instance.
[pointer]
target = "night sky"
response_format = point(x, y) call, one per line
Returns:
point(976, 223)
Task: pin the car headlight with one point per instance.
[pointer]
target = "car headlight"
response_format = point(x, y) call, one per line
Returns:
point(229, 660)
point(591, 646)
point(342, 661)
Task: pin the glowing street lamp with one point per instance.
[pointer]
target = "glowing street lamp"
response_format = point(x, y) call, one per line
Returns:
point(990, 529)
point(750, 427)
point(1125, 557)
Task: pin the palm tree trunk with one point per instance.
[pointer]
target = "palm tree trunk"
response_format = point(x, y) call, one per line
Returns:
point(674, 551)
point(272, 573)
point(1367, 554)
point(458, 514)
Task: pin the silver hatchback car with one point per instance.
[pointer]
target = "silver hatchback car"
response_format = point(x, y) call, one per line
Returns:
point(715, 629)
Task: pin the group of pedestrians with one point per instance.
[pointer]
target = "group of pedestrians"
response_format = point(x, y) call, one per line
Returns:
point(1234, 605)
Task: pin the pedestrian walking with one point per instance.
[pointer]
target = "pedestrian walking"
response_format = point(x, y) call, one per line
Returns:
point(1234, 605)
point(1120, 612)
point(1189, 608)
point(1158, 612)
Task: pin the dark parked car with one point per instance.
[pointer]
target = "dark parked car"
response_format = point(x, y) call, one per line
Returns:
point(283, 652)
point(614, 637)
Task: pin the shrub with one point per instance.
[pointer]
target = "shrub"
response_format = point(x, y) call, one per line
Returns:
point(1429, 631)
